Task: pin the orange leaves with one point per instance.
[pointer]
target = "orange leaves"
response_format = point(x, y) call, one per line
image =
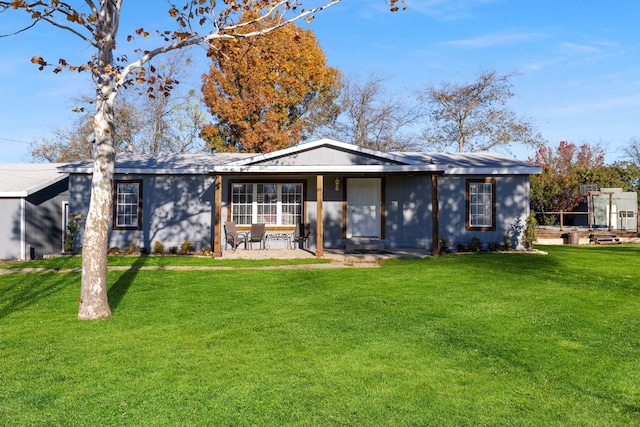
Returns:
point(263, 90)
point(142, 32)
point(394, 7)
point(41, 62)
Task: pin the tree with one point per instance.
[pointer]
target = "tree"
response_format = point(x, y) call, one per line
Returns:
point(264, 93)
point(474, 116)
point(96, 23)
point(370, 117)
point(165, 122)
point(557, 188)
point(633, 150)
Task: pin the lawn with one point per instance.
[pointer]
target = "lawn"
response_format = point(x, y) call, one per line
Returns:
point(482, 339)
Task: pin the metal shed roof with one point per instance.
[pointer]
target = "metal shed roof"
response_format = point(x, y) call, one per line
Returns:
point(24, 179)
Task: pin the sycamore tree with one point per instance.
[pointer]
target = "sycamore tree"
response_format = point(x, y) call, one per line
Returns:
point(96, 23)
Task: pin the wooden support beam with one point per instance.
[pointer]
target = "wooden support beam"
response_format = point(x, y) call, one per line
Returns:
point(319, 223)
point(217, 217)
point(435, 216)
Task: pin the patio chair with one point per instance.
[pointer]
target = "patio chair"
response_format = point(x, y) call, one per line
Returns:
point(303, 231)
point(233, 236)
point(258, 234)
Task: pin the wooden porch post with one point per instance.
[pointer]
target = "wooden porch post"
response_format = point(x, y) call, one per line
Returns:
point(319, 226)
point(435, 216)
point(217, 216)
point(610, 211)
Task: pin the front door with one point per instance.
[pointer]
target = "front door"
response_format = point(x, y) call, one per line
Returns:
point(363, 207)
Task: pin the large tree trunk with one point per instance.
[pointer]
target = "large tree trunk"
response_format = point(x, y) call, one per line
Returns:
point(93, 295)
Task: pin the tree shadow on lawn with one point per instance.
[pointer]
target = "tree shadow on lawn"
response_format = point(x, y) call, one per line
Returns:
point(29, 289)
point(119, 289)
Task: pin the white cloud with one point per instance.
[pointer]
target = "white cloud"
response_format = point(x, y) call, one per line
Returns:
point(445, 10)
point(502, 38)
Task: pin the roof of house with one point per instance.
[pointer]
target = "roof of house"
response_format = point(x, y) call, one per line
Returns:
point(235, 163)
point(24, 179)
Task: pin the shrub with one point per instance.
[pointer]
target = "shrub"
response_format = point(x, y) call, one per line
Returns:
point(186, 247)
point(495, 246)
point(529, 235)
point(133, 248)
point(71, 233)
point(173, 250)
point(462, 247)
point(114, 251)
point(158, 248)
point(444, 245)
point(506, 241)
point(475, 245)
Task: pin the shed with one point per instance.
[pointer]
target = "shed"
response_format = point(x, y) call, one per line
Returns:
point(33, 207)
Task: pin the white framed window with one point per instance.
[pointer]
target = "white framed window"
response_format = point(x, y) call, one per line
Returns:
point(481, 206)
point(267, 203)
point(127, 206)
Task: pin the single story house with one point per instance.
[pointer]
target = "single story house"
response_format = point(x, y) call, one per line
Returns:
point(346, 193)
point(33, 210)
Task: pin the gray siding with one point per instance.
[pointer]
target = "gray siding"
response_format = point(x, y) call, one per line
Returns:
point(44, 220)
point(326, 156)
point(175, 208)
point(10, 245)
point(512, 208)
point(408, 212)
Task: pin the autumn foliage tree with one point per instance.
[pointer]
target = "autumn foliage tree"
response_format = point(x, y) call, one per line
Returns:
point(557, 188)
point(266, 93)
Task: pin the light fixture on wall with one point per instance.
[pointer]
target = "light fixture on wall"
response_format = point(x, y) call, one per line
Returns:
point(337, 183)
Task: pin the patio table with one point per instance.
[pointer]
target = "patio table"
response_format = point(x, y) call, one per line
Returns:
point(280, 235)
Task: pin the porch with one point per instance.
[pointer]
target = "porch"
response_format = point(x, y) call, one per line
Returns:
point(548, 235)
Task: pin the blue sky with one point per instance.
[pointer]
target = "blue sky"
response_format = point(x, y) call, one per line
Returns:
point(578, 62)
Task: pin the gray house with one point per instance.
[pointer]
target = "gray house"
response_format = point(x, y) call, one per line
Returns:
point(348, 194)
point(33, 203)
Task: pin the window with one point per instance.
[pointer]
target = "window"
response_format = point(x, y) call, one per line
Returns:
point(267, 203)
point(128, 210)
point(481, 206)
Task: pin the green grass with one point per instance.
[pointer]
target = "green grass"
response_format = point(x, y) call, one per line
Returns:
point(71, 262)
point(483, 339)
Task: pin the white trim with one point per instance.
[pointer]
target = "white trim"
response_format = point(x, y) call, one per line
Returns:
point(320, 143)
point(516, 170)
point(228, 168)
point(13, 194)
point(23, 231)
point(148, 171)
point(65, 221)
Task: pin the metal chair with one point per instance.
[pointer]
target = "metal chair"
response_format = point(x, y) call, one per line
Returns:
point(303, 231)
point(258, 234)
point(233, 236)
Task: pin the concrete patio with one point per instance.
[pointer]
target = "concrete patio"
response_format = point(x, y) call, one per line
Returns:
point(335, 255)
